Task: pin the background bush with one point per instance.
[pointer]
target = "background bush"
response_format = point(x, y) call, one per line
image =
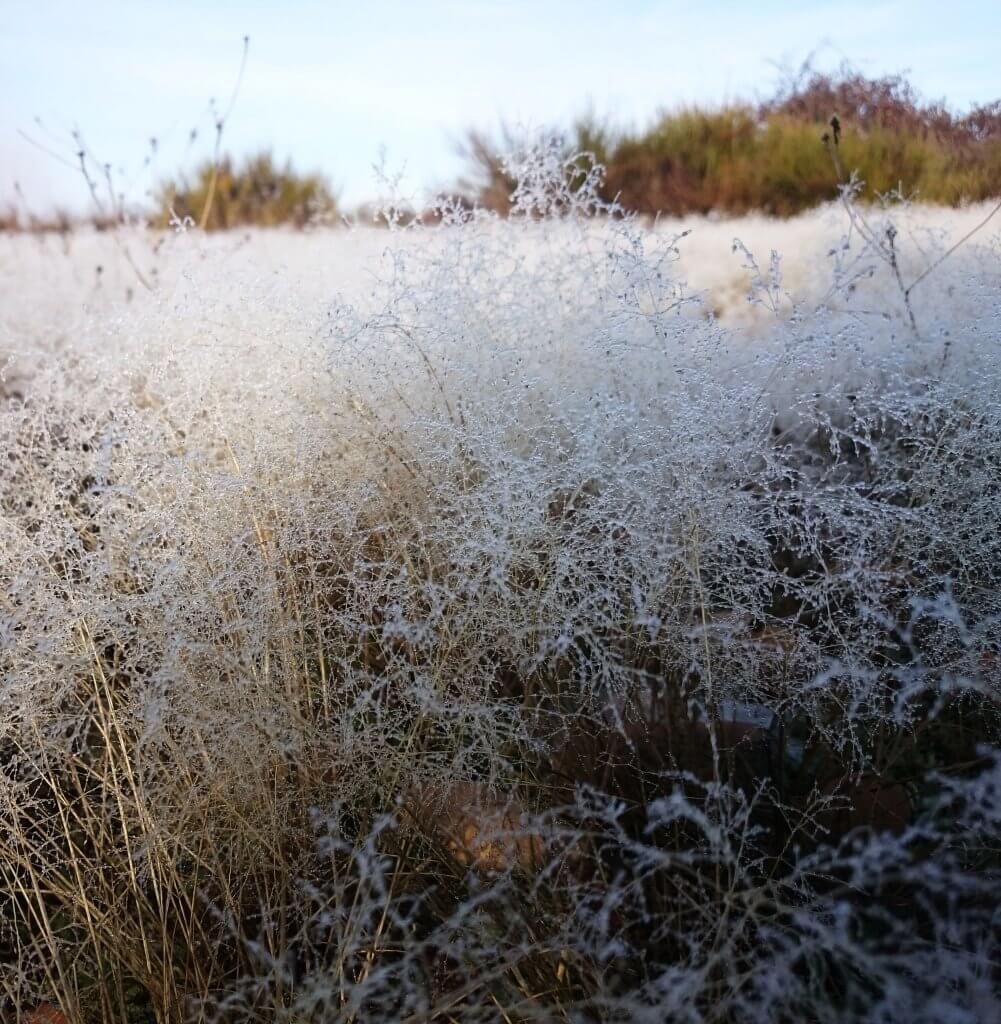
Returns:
point(229, 194)
point(769, 156)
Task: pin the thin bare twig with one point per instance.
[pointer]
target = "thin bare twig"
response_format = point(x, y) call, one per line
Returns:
point(969, 234)
point(219, 126)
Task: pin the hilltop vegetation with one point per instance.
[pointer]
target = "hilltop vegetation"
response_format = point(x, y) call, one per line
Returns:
point(774, 156)
point(770, 156)
point(228, 194)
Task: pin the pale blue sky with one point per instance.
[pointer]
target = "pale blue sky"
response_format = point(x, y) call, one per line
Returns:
point(330, 82)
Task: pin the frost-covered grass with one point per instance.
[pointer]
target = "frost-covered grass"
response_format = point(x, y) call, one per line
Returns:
point(468, 623)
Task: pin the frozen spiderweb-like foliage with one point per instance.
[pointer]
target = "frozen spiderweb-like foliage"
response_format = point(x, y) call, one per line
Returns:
point(516, 524)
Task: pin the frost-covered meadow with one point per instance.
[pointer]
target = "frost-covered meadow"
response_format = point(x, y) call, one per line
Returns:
point(559, 618)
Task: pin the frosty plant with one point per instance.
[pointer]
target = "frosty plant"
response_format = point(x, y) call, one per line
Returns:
point(504, 641)
point(879, 238)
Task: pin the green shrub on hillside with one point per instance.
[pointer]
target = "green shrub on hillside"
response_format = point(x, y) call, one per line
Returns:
point(256, 191)
point(769, 157)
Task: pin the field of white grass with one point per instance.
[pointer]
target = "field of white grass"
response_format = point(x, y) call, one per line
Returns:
point(52, 274)
point(553, 619)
